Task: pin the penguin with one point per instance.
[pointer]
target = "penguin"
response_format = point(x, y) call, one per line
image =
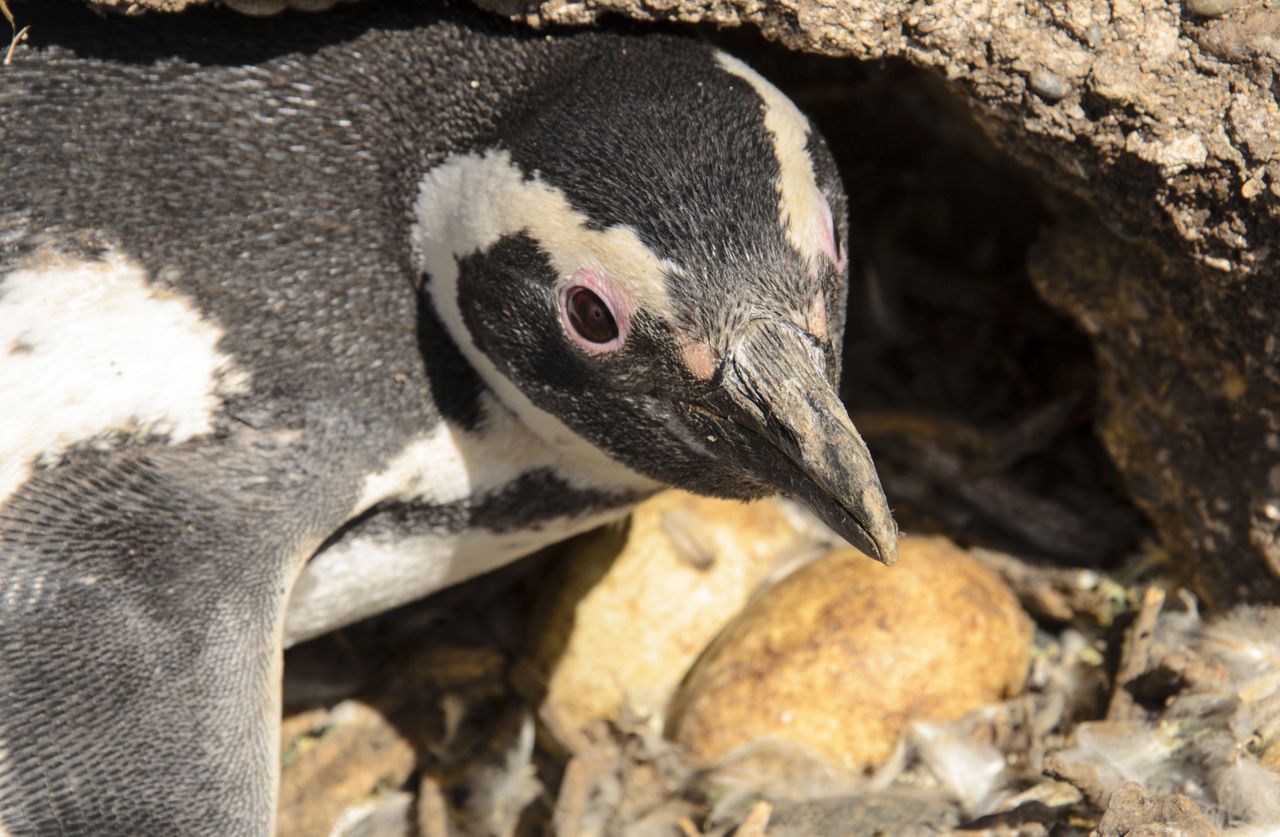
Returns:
point(304, 318)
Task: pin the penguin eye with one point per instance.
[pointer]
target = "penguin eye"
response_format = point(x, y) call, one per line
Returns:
point(595, 312)
point(590, 316)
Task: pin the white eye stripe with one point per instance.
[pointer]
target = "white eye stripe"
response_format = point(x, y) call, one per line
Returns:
point(802, 207)
point(469, 202)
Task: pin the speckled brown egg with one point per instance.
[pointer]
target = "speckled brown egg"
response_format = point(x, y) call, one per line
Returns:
point(842, 654)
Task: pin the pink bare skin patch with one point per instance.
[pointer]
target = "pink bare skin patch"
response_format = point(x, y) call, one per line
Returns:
point(699, 359)
point(827, 236)
point(616, 301)
point(816, 317)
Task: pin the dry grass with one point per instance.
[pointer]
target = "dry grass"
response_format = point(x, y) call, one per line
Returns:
point(19, 35)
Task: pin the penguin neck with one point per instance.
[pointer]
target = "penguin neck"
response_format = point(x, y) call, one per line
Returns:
point(577, 460)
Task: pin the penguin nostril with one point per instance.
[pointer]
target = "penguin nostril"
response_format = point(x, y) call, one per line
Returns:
point(591, 317)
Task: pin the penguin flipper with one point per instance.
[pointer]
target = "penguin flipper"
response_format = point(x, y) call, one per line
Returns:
point(140, 643)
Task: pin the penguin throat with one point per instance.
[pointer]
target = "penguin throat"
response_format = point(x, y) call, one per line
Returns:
point(579, 459)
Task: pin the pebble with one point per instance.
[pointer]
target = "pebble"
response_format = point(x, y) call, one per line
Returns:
point(1210, 8)
point(257, 8)
point(1048, 85)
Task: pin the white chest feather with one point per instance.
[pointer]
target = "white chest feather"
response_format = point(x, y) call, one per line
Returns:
point(89, 348)
point(362, 575)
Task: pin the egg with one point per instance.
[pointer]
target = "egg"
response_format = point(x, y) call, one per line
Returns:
point(629, 608)
point(842, 654)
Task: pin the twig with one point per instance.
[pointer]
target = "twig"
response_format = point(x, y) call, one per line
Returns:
point(1059, 594)
point(18, 37)
point(433, 810)
point(687, 828)
point(1137, 653)
point(756, 822)
point(581, 775)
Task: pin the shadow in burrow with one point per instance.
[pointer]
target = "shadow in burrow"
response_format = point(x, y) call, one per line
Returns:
point(976, 398)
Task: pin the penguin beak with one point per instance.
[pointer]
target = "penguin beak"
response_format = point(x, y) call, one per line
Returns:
point(775, 383)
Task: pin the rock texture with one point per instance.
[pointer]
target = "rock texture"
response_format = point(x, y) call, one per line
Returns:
point(1189, 365)
point(1133, 813)
point(1163, 114)
point(1164, 117)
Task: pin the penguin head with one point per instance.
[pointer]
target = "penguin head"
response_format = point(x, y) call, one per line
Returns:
point(649, 263)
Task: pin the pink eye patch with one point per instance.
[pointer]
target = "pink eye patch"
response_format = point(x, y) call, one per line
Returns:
point(595, 312)
point(827, 235)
